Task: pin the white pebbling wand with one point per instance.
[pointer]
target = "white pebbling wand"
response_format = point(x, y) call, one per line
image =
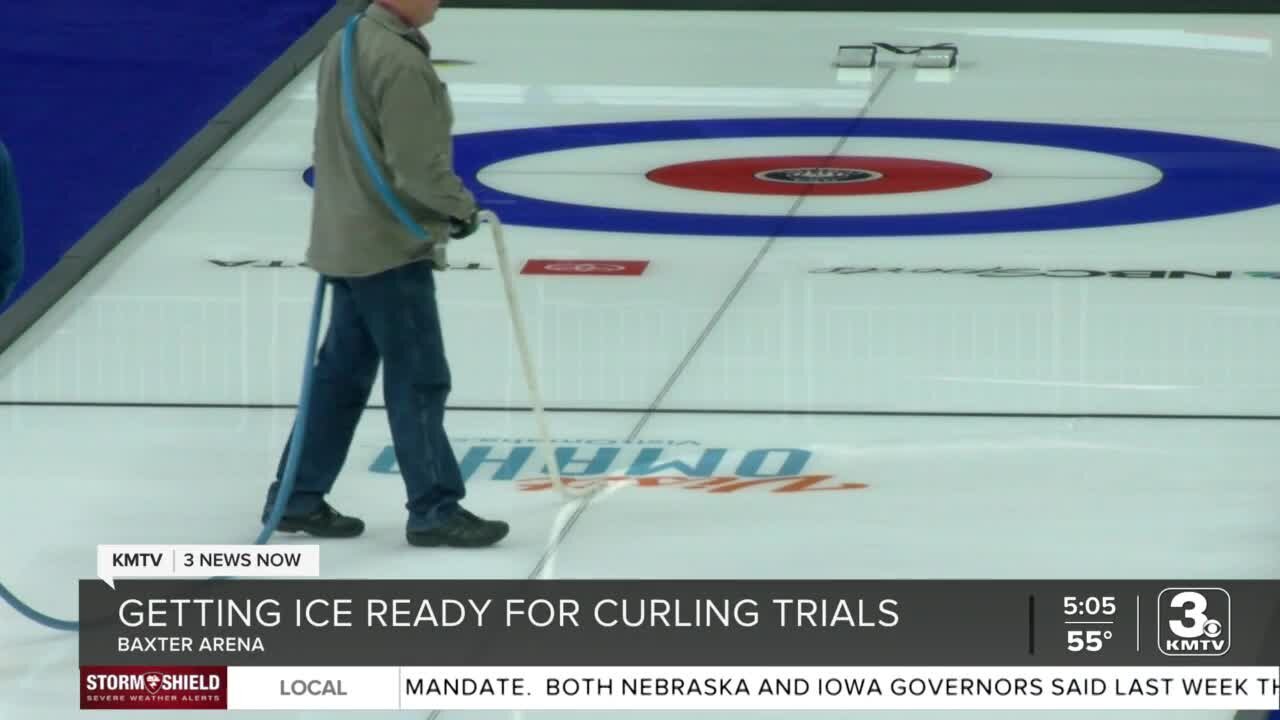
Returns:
point(526, 359)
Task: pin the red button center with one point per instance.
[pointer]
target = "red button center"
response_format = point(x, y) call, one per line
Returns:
point(819, 175)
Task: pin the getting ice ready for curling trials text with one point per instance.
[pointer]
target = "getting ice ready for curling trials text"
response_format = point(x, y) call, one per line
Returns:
point(228, 613)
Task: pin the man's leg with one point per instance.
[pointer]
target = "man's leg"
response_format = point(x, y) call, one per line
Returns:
point(400, 309)
point(11, 248)
point(345, 370)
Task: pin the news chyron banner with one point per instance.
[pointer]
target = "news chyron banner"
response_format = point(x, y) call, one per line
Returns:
point(312, 644)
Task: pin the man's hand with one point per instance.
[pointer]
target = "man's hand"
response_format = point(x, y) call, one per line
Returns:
point(459, 229)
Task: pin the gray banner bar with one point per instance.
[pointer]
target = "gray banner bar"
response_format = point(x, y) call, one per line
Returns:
point(663, 623)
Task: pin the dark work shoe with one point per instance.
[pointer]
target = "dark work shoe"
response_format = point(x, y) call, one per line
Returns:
point(324, 522)
point(462, 530)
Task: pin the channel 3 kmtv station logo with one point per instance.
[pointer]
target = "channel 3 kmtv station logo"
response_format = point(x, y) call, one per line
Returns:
point(1195, 622)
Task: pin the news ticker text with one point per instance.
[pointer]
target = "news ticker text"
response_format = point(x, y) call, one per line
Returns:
point(680, 688)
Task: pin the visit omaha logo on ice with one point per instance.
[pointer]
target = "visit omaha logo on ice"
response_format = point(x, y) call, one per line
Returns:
point(660, 465)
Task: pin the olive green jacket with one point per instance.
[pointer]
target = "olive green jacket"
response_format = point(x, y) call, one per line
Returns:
point(408, 123)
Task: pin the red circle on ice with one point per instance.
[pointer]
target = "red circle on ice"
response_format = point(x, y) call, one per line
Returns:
point(819, 175)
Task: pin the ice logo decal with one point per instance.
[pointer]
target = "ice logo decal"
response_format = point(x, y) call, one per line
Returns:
point(818, 176)
point(647, 465)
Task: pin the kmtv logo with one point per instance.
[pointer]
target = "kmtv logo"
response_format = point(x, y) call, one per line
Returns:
point(1195, 622)
point(124, 688)
point(585, 267)
point(717, 471)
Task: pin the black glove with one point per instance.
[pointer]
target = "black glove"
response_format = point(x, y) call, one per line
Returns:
point(459, 229)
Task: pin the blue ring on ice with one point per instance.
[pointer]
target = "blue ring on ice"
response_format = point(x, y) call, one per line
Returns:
point(1200, 177)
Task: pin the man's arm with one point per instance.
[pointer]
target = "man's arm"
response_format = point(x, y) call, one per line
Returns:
point(417, 142)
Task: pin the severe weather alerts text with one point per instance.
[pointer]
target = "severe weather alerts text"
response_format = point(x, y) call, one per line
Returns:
point(178, 688)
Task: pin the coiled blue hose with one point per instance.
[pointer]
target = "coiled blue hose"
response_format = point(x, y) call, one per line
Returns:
point(317, 310)
point(357, 131)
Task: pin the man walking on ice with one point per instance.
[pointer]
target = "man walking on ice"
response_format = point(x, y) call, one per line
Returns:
point(381, 276)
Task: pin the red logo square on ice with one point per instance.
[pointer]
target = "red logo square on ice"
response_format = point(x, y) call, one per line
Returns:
point(585, 267)
point(153, 688)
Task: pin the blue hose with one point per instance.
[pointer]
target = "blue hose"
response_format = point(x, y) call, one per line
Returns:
point(299, 425)
point(357, 131)
point(37, 616)
point(286, 483)
point(317, 308)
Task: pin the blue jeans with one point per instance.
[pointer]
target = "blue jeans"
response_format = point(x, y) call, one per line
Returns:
point(11, 250)
point(391, 317)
